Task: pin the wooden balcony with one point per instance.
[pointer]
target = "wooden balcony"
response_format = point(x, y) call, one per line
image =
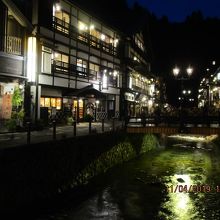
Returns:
point(11, 45)
point(11, 59)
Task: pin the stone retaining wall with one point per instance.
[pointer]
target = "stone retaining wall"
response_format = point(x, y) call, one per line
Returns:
point(41, 171)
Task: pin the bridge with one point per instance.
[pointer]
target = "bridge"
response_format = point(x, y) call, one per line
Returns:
point(135, 125)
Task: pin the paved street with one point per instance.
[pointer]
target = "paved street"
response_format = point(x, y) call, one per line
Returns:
point(20, 138)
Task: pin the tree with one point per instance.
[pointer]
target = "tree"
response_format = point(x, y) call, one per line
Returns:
point(17, 98)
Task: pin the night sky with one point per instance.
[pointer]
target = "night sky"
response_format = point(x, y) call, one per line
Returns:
point(177, 10)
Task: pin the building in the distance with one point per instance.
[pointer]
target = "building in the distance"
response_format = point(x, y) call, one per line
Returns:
point(209, 92)
point(139, 85)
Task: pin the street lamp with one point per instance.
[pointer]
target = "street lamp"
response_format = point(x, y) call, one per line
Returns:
point(182, 76)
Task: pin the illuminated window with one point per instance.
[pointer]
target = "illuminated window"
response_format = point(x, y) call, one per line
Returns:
point(46, 60)
point(42, 104)
point(139, 43)
point(81, 66)
point(50, 102)
point(95, 33)
point(105, 81)
point(130, 82)
point(82, 26)
point(61, 61)
point(53, 102)
point(47, 102)
point(62, 20)
point(58, 103)
point(94, 69)
point(82, 38)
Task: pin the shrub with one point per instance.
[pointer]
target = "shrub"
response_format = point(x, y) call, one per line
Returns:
point(69, 120)
point(88, 118)
point(11, 124)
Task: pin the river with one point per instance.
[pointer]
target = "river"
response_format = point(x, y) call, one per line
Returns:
point(179, 181)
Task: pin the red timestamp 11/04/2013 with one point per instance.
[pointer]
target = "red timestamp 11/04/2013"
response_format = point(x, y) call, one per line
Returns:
point(192, 188)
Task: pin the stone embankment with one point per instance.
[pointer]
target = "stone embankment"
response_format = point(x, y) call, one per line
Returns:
point(41, 171)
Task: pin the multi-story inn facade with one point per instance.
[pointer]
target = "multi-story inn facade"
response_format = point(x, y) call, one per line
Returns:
point(14, 29)
point(139, 85)
point(77, 66)
point(66, 62)
point(209, 92)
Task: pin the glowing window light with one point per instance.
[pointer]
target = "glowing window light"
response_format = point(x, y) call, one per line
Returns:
point(56, 7)
point(115, 42)
point(82, 27)
point(105, 81)
point(31, 59)
point(115, 73)
point(92, 27)
point(102, 37)
point(130, 82)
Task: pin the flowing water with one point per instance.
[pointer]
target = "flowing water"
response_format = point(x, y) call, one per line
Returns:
point(179, 181)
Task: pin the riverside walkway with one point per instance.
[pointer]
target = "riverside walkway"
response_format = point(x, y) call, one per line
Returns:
point(82, 129)
point(62, 132)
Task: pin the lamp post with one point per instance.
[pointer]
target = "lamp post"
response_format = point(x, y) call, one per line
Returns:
point(182, 76)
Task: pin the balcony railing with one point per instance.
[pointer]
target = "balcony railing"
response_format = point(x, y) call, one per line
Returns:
point(59, 67)
point(84, 37)
point(13, 45)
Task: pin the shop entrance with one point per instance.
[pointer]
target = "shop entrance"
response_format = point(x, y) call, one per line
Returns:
point(78, 109)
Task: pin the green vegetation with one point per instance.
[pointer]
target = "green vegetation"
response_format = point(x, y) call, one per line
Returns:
point(128, 148)
point(17, 98)
point(17, 115)
point(69, 120)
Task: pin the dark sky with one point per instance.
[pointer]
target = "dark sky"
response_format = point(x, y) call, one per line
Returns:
point(177, 10)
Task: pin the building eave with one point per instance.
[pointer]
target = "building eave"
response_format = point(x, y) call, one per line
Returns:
point(23, 21)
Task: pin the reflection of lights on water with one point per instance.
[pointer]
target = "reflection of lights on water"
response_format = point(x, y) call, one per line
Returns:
point(182, 199)
point(194, 138)
point(180, 203)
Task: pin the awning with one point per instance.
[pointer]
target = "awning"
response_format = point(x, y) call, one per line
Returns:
point(87, 92)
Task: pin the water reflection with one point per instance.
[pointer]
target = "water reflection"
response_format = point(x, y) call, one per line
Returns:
point(100, 206)
point(179, 203)
point(137, 189)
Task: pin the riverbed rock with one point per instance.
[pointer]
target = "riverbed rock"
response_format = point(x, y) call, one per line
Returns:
point(180, 180)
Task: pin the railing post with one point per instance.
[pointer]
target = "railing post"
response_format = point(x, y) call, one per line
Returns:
point(90, 126)
point(113, 124)
point(54, 130)
point(103, 124)
point(74, 128)
point(28, 132)
point(126, 119)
